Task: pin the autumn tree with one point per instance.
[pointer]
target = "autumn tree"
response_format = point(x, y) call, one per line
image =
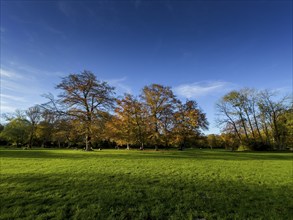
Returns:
point(160, 104)
point(85, 98)
point(189, 121)
point(128, 125)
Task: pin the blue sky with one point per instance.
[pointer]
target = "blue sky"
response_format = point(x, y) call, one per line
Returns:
point(202, 49)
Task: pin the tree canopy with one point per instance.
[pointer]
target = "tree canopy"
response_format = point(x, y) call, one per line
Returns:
point(86, 113)
point(254, 117)
point(86, 99)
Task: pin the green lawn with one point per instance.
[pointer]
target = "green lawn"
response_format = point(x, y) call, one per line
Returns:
point(121, 184)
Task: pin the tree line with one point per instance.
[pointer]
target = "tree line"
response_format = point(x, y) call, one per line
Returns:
point(258, 120)
point(86, 113)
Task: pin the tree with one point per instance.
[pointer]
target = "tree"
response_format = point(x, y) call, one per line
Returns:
point(236, 102)
point(251, 105)
point(34, 116)
point(215, 141)
point(160, 104)
point(45, 128)
point(139, 122)
point(255, 117)
point(271, 110)
point(285, 123)
point(61, 132)
point(127, 126)
point(2, 140)
point(189, 120)
point(16, 131)
point(226, 117)
point(85, 98)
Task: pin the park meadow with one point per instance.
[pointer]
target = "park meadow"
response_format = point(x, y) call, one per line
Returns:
point(146, 110)
point(148, 184)
point(91, 155)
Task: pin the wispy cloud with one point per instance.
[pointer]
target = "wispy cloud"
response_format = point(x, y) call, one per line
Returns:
point(200, 89)
point(8, 98)
point(23, 85)
point(120, 85)
point(28, 71)
point(9, 74)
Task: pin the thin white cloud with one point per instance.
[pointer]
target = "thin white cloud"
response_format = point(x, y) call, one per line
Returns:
point(8, 98)
point(200, 89)
point(28, 70)
point(120, 85)
point(22, 86)
point(9, 74)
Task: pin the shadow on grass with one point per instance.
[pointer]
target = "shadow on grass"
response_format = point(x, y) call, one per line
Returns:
point(121, 196)
point(136, 154)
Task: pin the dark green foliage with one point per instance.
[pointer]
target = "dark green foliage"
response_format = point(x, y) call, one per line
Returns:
point(119, 184)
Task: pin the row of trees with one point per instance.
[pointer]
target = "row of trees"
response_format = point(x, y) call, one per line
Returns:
point(256, 119)
point(87, 111)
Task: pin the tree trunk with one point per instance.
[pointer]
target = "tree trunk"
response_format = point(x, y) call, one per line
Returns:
point(257, 127)
point(88, 146)
point(244, 126)
point(234, 125)
point(235, 129)
point(30, 142)
point(156, 136)
point(250, 125)
point(276, 131)
point(267, 133)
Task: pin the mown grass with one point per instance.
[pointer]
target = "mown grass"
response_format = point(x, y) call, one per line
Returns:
point(120, 184)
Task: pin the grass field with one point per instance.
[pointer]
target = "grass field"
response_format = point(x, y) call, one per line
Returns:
point(120, 184)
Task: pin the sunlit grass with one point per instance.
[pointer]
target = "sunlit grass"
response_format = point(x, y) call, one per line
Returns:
point(121, 184)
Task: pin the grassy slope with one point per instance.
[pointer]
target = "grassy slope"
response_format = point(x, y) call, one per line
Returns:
point(120, 184)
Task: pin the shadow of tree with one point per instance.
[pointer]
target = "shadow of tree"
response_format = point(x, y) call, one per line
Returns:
point(128, 196)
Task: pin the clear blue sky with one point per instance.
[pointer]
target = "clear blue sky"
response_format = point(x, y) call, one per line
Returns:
point(202, 49)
